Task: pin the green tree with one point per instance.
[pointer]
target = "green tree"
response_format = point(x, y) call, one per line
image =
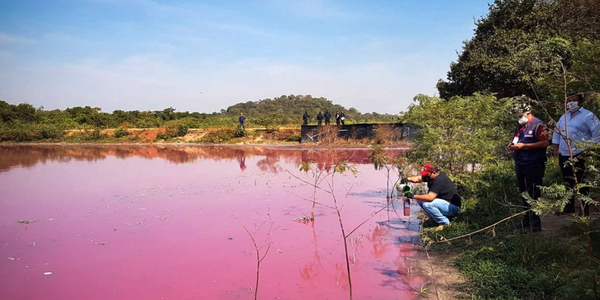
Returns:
point(460, 134)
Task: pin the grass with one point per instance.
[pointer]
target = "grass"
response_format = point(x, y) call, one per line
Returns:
point(500, 263)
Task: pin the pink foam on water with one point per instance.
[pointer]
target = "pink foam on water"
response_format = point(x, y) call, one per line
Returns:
point(149, 222)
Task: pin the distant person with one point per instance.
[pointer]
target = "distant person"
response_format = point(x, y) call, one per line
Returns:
point(327, 117)
point(583, 127)
point(305, 118)
point(242, 120)
point(319, 119)
point(342, 117)
point(337, 118)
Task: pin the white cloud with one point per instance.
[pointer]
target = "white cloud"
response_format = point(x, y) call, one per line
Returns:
point(151, 82)
point(7, 39)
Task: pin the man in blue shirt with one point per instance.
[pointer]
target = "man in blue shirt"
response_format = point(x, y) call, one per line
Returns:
point(242, 121)
point(574, 131)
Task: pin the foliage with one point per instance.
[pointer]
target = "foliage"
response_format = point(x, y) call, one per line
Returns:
point(219, 136)
point(182, 129)
point(382, 161)
point(387, 133)
point(517, 44)
point(288, 109)
point(121, 132)
point(462, 134)
point(17, 122)
point(294, 138)
point(466, 137)
point(239, 132)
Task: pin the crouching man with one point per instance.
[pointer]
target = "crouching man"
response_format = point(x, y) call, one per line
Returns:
point(441, 201)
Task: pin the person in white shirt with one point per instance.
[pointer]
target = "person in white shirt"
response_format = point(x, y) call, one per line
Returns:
point(582, 128)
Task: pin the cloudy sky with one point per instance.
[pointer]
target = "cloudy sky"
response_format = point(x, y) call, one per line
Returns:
point(207, 55)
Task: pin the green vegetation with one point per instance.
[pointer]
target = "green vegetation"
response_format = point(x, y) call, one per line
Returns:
point(521, 47)
point(544, 50)
point(24, 123)
point(500, 263)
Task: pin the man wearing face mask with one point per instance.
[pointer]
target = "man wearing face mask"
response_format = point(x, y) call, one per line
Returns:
point(582, 126)
point(529, 143)
point(441, 201)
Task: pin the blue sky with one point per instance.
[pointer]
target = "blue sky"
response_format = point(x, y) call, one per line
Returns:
point(207, 55)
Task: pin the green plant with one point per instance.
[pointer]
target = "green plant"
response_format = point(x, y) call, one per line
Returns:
point(182, 130)
point(121, 132)
point(294, 138)
point(239, 132)
point(219, 136)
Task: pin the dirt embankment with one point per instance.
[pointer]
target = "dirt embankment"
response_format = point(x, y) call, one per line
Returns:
point(199, 135)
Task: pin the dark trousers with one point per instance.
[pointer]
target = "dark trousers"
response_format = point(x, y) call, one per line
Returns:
point(319, 122)
point(567, 172)
point(326, 121)
point(530, 177)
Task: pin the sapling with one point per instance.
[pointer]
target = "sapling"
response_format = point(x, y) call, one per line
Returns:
point(339, 167)
point(259, 258)
point(382, 161)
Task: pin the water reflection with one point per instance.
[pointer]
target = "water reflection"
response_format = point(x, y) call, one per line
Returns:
point(270, 156)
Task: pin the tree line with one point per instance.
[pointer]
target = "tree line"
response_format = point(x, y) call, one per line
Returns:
point(530, 47)
point(23, 122)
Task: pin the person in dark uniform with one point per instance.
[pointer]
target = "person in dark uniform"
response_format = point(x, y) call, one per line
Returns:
point(529, 143)
point(337, 118)
point(327, 117)
point(319, 119)
point(342, 117)
point(242, 120)
point(442, 200)
point(305, 118)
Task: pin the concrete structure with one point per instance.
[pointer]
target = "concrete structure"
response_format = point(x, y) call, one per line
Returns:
point(396, 132)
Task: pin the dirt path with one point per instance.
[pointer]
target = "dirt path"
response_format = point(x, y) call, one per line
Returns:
point(444, 281)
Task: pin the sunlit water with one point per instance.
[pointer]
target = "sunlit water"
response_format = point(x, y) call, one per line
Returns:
point(158, 222)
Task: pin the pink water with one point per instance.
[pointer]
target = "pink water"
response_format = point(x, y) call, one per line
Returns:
point(166, 222)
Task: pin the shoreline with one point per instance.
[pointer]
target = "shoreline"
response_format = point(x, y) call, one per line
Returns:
point(177, 144)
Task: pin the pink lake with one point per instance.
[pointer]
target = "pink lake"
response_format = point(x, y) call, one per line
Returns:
point(166, 222)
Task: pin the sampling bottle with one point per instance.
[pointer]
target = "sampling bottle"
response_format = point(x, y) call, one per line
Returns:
point(405, 189)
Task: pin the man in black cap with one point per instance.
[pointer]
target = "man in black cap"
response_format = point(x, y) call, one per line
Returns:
point(441, 201)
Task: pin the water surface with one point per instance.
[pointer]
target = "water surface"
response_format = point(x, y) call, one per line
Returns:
point(167, 222)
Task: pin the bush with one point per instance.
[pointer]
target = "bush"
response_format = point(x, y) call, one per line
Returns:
point(218, 136)
point(51, 132)
point(239, 132)
point(182, 130)
point(92, 135)
point(121, 132)
point(294, 138)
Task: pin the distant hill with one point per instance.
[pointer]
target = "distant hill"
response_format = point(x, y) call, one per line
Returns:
point(293, 106)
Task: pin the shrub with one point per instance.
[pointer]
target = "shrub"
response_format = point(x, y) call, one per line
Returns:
point(182, 130)
point(51, 132)
point(294, 138)
point(121, 132)
point(386, 133)
point(218, 136)
point(92, 135)
point(239, 132)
